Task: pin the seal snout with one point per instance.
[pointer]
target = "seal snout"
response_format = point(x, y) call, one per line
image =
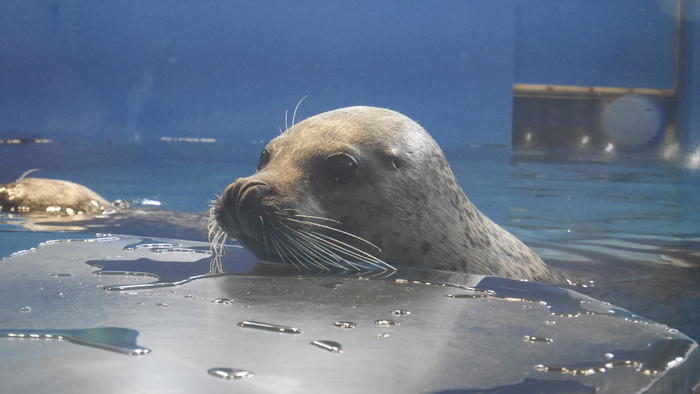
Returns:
point(241, 204)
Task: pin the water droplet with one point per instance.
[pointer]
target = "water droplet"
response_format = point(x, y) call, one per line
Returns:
point(477, 295)
point(62, 275)
point(270, 327)
point(229, 373)
point(609, 356)
point(345, 324)
point(331, 346)
point(225, 301)
point(189, 296)
point(162, 305)
point(382, 335)
point(60, 294)
point(116, 339)
point(550, 322)
point(400, 312)
point(533, 339)
point(25, 309)
point(386, 323)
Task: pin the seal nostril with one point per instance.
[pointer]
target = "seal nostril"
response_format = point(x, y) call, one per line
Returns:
point(250, 195)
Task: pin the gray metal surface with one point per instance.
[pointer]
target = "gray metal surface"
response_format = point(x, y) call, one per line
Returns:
point(455, 333)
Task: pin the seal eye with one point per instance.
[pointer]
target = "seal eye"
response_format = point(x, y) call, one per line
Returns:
point(264, 159)
point(341, 167)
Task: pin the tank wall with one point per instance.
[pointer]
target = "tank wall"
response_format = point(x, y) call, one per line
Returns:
point(134, 70)
point(625, 43)
point(75, 70)
point(689, 89)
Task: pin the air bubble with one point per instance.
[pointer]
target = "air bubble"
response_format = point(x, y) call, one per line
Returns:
point(386, 323)
point(25, 309)
point(400, 312)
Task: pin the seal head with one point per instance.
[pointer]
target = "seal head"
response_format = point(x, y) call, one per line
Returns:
point(50, 196)
point(365, 184)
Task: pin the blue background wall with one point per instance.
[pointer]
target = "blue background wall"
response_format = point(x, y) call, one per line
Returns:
point(229, 69)
point(91, 71)
point(626, 43)
point(689, 106)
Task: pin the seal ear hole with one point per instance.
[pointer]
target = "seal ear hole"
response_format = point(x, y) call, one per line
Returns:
point(392, 157)
point(265, 156)
point(341, 168)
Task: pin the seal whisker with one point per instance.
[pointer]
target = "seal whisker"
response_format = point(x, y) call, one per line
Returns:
point(308, 255)
point(294, 115)
point(215, 266)
point(264, 237)
point(277, 250)
point(306, 222)
point(24, 174)
point(353, 251)
point(317, 218)
point(317, 250)
point(217, 245)
point(340, 262)
point(307, 249)
point(349, 250)
point(293, 247)
point(292, 254)
point(222, 242)
point(280, 252)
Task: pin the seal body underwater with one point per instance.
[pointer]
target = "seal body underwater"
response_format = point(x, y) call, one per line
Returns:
point(50, 196)
point(365, 185)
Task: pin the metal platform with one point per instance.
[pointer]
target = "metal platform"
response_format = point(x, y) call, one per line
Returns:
point(105, 315)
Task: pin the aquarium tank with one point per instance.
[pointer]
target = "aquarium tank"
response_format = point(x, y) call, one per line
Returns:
point(573, 126)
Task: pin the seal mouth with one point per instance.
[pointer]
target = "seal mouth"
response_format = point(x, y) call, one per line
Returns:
point(286, 236)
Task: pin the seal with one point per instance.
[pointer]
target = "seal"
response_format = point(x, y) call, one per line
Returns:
point(50, 196)
point(363, 186)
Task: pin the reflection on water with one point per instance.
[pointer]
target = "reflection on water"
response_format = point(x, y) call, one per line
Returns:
point(661, 355)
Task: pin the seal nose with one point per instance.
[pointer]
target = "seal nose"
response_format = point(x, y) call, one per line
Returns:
point(243, 198)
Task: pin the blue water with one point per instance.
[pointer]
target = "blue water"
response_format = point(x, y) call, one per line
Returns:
point(626, 227)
